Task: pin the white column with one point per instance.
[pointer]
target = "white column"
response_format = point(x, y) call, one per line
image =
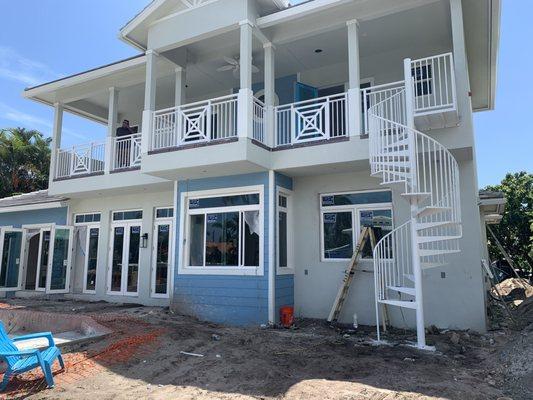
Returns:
point(270, 93)
point(179, 90)
point(112, 122)
point(149, 99)
point(415, 250)
point(245, 109)
point(354, 76)
point(56, 140)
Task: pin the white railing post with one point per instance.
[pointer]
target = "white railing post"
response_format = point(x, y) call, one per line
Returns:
point(109, 152)
point(245, 113)
point(293, 122)
point(354, 97)
point(327, 118)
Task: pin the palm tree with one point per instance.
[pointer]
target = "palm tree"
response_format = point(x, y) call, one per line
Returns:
point(24, 161)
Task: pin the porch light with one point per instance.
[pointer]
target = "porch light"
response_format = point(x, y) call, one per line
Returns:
point(144, 241)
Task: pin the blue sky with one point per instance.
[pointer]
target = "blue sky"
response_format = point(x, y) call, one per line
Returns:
point(44, 40)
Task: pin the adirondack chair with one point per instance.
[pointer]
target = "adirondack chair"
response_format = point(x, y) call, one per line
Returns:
point(19, 361)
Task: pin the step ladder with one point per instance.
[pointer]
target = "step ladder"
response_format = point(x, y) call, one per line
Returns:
point(367, 234)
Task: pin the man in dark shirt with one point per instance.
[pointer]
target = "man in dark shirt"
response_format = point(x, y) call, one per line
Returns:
point(125, 129)
point(123, 148)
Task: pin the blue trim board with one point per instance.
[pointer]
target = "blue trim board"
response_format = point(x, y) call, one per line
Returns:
point(44, 216)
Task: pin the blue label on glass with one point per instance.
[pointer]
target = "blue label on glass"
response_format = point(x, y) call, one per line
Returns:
point(211, 219)
point(163, 228)
point(135, 229)
point(119, 231)
point(194, 203)
point(328, 200)
point(330, 218)
point(367, 218)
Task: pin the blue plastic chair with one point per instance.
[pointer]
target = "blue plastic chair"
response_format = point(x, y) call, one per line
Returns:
point(20, 361)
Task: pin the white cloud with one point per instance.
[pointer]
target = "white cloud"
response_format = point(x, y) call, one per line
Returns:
point(33, 122)
point(16, 67)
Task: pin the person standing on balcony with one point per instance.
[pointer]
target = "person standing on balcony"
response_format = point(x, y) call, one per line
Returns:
point(123, 144)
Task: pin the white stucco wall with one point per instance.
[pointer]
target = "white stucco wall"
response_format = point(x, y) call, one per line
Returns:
point(452, 300)
point(146, 201)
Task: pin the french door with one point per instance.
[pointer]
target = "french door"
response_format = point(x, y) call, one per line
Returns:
point(11, 251)
point(162, 258)
point(123, 276)
point(59, 259)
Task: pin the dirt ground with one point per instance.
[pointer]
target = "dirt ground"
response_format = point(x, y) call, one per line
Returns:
point(143, 359)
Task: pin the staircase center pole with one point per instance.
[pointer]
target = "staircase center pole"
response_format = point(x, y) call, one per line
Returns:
point(415, 251)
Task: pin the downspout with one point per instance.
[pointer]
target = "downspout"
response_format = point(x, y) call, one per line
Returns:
point(271, 258)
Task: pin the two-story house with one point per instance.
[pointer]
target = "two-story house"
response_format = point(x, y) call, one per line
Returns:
point(262, 138)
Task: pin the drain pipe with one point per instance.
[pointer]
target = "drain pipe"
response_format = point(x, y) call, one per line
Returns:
point(271, 258)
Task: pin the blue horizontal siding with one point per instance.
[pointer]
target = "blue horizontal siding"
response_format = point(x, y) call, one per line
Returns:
point(46, 216)
point(228, 299)
point(284, 292)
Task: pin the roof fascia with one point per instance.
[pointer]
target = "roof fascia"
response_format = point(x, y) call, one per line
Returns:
point(30, 207)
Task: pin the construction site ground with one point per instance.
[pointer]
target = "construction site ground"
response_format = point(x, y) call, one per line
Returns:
point(153, 353)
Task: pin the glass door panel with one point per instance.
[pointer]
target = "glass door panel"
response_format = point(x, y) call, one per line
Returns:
point(44, 253)
point(162, 259)
point(117, 256)
point(133, 258)
point(59, 263)
point(10, 256)
point(92, 259)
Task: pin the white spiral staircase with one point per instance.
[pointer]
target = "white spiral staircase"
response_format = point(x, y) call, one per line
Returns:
point(427, 176)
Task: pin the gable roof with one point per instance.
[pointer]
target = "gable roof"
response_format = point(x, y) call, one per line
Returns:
point(134, 31)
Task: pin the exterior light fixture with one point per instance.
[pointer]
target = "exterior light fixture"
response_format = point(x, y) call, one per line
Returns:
point(317, 51)
point(144, 241)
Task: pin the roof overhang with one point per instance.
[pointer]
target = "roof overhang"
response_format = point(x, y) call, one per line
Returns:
point(491, 206)
point(30, 207)
point(482, 36)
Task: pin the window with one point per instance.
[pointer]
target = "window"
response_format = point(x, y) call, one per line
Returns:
point(284, 232)
point(164, 212)
point(423, 79)
point(127, 215)
point(87, 218)
point(224, 231)
point(344, 215)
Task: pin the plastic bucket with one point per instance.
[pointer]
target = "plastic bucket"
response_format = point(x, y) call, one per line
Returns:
point(286, 316)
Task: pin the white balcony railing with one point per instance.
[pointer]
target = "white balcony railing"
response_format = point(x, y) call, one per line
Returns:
point(201, 121)
point(434, 84)
point(259, 115)
point(373, 95)
point(311, 120)
point(80, 160)
point(127, 151)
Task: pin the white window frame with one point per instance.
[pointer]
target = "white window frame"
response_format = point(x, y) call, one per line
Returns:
point(288, 194)
point(356, 225)
point(185, 213)
point(125, 223)
point(87, 223)
point(162, 221)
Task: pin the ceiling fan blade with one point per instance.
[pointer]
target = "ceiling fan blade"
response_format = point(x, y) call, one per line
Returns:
point(255, 70)
point(236, 73)
point(230, 60)
point(225, 68)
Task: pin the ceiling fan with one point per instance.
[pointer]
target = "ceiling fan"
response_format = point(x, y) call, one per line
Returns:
point(234, 66)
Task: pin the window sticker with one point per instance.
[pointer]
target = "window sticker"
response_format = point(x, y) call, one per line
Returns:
point(119, 231)
point(194, 203)
point(212, 218)
point(328, 200)
point(163, 228)
point(135, 229)
point(330, 218)
point(367, 218)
